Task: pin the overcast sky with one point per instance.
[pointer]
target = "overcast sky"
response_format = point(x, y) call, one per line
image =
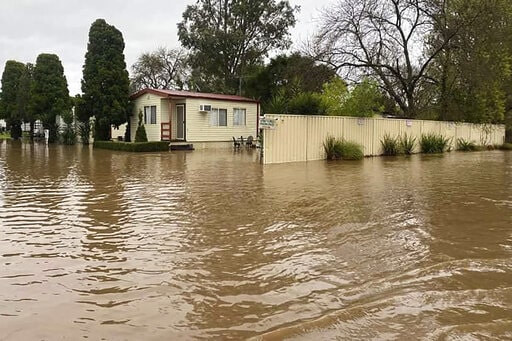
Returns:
point(31, 27)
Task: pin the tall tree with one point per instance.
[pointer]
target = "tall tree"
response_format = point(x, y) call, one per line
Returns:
point(383, 39)
point(226, 37)
point(23, 98)
point(105, 83)
point(50, 94)
point(161, 69)
point(474, 72)
point(11, 77)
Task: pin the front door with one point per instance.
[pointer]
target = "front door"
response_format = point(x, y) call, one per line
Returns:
point(180, 121)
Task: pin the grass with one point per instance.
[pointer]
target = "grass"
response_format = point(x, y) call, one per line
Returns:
point(156, 146)
point(340, 149)
point(5, 136)
point(433, 143)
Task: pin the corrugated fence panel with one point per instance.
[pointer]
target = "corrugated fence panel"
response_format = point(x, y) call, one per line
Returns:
point(288, 141)
point(359, 130)
point(464, 132)
point(301, 138)
point(319, 127)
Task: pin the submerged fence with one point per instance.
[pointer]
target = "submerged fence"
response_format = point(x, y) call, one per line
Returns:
point(300, 138)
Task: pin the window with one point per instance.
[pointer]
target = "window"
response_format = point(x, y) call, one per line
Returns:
point(219, 117)
point(150, 115)
point(238, 117)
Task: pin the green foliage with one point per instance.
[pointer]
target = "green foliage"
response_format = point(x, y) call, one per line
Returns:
point(289, 76)
point(105, 83)
point(466, 146)
point(506, 146)
point(365, 100)
point(50, 95)
point(226, 37)
point(306, 103)
point(406, 144)
point(156, 146)
point(433, 143)
point(340, 149)
point(84, 131)
point(24, 106)
point(11, 77)
point(390, 145)
point(334, 94)
point(140, 133)
point(68, 135)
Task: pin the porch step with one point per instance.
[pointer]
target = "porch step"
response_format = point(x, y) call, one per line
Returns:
point(182, 146)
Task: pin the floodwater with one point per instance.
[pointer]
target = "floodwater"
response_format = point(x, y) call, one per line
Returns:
point(108, 245)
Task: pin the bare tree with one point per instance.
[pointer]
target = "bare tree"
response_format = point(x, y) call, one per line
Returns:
point(390, 40)
point(161, 69)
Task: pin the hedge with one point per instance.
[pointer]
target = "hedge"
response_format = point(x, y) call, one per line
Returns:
point(157, 146)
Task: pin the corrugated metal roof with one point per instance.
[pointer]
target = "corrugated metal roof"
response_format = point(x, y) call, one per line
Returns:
point(190, 94)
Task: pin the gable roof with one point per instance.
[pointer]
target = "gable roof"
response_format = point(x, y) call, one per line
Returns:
point(190, 94)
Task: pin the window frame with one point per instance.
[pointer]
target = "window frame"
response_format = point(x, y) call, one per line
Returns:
point(150, 114)
point(236, 113)
point(215, 117)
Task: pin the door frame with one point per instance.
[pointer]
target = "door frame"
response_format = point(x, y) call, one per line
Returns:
point(183, 123)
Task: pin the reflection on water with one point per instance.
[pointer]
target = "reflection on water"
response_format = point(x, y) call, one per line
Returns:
point(213, 245)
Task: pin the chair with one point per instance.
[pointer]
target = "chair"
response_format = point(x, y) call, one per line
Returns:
point(236, 144)
point(249, 141)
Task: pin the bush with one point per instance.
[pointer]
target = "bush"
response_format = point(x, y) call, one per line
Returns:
point(68, 136)
point(506, 146)
point(433, 143)
point(339, 149)
point(140, 133)
point(156, 146)
point(466, 146)
point(390, 145)
point(406, 144)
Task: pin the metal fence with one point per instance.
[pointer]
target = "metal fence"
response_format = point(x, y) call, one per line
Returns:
point(300, 138)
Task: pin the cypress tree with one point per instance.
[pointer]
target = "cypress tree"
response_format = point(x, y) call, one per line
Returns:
point(11, 77)
point(105, 83)
point(50, 94)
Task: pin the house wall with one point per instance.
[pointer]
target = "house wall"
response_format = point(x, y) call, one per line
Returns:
point(198, 128)
point(300, 138)
point(152, 130)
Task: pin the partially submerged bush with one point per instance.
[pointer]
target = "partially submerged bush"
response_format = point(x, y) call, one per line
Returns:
point(390, 145)
point(407, 143)
point(506, 146)
point(155, 146)
point(339, 149)
point(466, 146)
point(433, 143)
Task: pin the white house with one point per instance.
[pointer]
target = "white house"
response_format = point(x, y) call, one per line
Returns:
point(201, 119)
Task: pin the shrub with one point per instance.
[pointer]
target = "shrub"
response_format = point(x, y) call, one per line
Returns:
point(433, 143)
point(406, 144)
point(506, 146)
point(68, 136)
point(140, 133)
point(155, 146)
point(390, 145)
point(339, 149)
point(466, 146)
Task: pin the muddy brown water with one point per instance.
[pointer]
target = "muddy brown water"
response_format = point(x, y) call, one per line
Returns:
point(108, 245)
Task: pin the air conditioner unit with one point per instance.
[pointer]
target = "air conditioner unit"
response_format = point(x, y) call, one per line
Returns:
point(205, 108)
